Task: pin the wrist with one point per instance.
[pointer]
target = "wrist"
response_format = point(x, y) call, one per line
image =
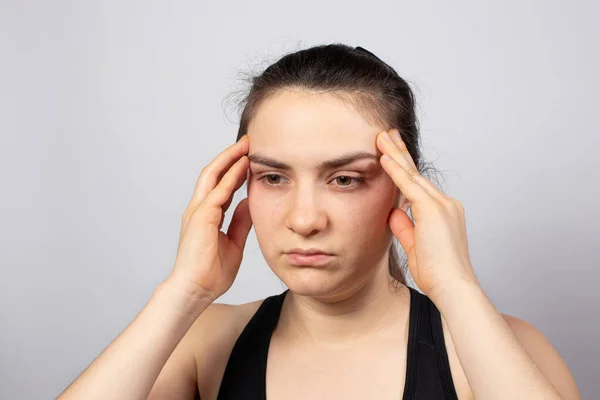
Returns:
point(186, 300)
point(452, 295)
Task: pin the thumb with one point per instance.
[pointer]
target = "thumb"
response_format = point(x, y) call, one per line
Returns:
point(403, 229)
point(240, 224)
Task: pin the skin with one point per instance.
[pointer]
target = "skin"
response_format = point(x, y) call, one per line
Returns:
point(338, 318)
point(307, 207)
point(336, 306)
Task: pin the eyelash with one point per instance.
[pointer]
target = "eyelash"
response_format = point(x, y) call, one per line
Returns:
point(358, 181)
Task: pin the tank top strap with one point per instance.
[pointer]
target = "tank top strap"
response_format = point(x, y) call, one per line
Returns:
point(427, 368)
point(244, 376)
point(427, 365)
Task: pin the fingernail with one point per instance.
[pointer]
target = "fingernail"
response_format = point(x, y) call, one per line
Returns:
point(396, 134)
point(387, 137)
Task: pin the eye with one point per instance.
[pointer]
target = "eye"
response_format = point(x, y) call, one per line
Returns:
point(344, 178)
point(345, 182)
point(265, 178)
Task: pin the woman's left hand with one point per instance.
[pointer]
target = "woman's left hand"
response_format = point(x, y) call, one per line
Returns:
point(436, 244)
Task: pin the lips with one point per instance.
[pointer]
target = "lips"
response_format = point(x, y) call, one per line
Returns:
point(308, 252)
point(308, 257)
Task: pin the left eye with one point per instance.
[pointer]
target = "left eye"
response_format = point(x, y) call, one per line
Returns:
point(346, 178)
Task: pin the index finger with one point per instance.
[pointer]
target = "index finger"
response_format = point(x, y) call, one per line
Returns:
point(215, 170)
point(401, 168)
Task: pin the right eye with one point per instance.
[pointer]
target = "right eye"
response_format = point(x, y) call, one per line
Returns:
point(265, 179)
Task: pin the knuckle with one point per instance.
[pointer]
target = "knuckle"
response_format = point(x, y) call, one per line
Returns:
point(459, 206)
point(205, 172)
point(186, 214)
point(219, 190)
point(440, 207)
point(413, 172)
point(401, 145)
point(206, 215)
point(212, 216)
point(413, 178)
point(453, 204)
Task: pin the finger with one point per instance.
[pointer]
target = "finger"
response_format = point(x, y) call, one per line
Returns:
point(403, 229)
point(238, 185)
point(240, 224)
point(398, 151)
point(225, 206)
point(212, 173)
point(403, 170)
point(225, 189)
point(401, 147)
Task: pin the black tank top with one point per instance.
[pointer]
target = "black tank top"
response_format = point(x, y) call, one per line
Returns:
point(427, 367)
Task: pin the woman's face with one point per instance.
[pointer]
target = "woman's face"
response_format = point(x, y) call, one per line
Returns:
point(295, 202)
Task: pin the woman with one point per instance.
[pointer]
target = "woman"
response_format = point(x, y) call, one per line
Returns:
point(328, 145)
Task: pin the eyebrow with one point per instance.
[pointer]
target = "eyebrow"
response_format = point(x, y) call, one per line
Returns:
point(326, 165)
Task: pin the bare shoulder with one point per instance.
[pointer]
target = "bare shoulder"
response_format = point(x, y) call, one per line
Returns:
point(537, 347)
point(544, 355)
point(213, 336)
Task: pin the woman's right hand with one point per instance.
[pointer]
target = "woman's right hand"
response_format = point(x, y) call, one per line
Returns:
point(207, 259)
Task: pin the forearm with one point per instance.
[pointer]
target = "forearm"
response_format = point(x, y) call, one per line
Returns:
point(129, 366)
point(495, 363)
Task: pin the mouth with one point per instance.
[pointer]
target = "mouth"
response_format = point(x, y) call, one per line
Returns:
point(314, 259)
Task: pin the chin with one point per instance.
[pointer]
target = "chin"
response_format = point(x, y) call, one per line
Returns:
point(317, 282)
point(309, 287)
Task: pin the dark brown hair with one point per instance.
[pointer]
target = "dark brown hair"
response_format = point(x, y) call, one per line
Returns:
point(356, 76)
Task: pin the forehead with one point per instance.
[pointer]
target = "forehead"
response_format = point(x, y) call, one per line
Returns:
point(315, 126)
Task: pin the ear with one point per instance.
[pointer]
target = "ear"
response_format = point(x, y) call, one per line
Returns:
point(401, 202)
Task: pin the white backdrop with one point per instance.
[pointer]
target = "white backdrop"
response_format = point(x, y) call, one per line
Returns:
point(110, 109)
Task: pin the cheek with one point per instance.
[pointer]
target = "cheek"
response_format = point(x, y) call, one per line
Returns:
point(361, 228)
point(369, 211)
point(254, 204)
point(262, 208)
point(365, 212)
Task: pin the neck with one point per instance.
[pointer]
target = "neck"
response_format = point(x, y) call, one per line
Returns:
point(360, 314)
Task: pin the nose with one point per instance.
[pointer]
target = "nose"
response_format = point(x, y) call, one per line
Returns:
point(305, 216)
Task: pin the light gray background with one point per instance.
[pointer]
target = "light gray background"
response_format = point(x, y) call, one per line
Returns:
point(109, 111)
